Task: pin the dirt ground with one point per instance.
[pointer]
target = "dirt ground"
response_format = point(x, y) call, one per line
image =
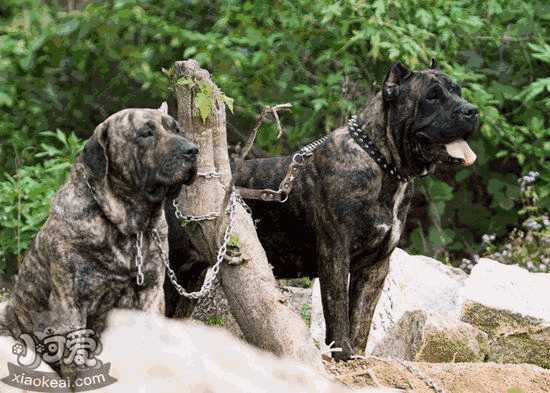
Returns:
point(441, 377)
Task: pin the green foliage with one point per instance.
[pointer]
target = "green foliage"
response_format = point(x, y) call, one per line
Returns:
point(305, 313)
point(216, 320)
point(527, 245)
point(69, 70)
point(25, 195)
point(302, 282)
point(234, 241)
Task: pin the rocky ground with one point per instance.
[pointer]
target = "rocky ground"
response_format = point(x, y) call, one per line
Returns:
point(487, 331)
point(422, 377)
point(435, 329)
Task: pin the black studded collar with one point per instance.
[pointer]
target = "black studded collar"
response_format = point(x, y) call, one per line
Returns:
point(361, 137)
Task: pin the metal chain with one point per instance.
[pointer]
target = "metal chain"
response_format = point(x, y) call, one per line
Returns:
point(244, 204)
point(188, 218)
point(209, 175)
point(205, 217)
point(285, 187)
point(305, 152)
point(139, 258)
point(212, 272)
point(298, 160)
point(140, 278)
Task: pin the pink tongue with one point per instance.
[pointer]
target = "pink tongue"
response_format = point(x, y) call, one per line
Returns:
point(460, 149)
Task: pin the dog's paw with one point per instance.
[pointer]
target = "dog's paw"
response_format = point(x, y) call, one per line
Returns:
point(344, 354)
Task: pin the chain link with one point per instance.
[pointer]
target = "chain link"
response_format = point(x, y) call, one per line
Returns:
point(188, 218)
point(212, 272)
point(205, 217)
point(139, 258)
point(209, 175)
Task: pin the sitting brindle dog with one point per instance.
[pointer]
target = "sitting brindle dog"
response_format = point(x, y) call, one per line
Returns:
point(348, 206)
point(82, 263)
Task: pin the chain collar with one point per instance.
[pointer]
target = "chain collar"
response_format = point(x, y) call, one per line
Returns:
point(234, 200)
point(138, 259)
point(361, 137)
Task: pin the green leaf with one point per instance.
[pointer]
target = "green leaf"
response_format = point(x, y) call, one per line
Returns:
point(68, 27)
point(229, 102)
point(204, 100)
point(440, 238)
point(495, 186)
point(204, 104)
point(5, 100)
point(183, 81)
point(462, 175)
point(439, 190)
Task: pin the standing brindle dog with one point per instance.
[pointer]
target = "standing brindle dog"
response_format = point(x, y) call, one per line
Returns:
point(82, 263)
point(349, 203)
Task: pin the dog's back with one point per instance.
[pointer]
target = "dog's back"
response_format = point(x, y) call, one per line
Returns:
point(283, 228)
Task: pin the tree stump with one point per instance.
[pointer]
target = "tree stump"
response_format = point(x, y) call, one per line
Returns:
point(250, 287)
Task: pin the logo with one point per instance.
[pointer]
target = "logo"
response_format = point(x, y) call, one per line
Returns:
point(75, 353)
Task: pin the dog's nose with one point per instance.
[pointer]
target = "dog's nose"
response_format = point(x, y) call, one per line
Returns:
point(468, 110)
point(191, 150)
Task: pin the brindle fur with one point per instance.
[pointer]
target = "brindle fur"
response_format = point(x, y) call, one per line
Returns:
point(81, 264)
point(345, 214)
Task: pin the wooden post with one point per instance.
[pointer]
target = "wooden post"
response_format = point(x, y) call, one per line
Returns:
point(250, 287)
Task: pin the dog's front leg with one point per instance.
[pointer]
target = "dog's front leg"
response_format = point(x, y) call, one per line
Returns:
point(67, 305)
point(152, 299)
point(68, 309)
point(333, 277)
point(364, 291)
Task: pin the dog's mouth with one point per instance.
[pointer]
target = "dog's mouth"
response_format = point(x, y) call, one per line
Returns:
point(460, 150)
point(454, 151)
point(170, 188)
point(156, 193)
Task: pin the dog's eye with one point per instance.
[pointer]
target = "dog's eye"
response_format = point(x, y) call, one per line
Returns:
point(456, 89)
point(435, 93)
point(145, 132)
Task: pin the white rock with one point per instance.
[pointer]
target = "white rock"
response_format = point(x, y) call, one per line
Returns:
point(509, 287)
point(423, 337)
point(150, 353)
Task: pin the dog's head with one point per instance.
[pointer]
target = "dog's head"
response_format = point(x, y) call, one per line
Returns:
point(143, 151)
point(435, 120)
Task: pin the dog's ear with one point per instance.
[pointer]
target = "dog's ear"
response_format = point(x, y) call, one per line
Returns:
point(434, 65)
point(396, 76)
point(95, 152)
point(164, 107)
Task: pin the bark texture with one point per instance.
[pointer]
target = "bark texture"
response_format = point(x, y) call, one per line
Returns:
point(250, 287)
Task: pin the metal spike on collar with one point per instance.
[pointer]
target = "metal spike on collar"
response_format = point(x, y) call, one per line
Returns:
point(362, 139)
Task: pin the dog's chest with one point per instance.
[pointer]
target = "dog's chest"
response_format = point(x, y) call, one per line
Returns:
point(378, 228)
point(118, 258)
point(136, 251)
point(397, 219)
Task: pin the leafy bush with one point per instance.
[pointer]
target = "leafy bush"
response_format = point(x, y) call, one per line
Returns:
point(528, 245)
point(25, 196)
point(69, 70)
